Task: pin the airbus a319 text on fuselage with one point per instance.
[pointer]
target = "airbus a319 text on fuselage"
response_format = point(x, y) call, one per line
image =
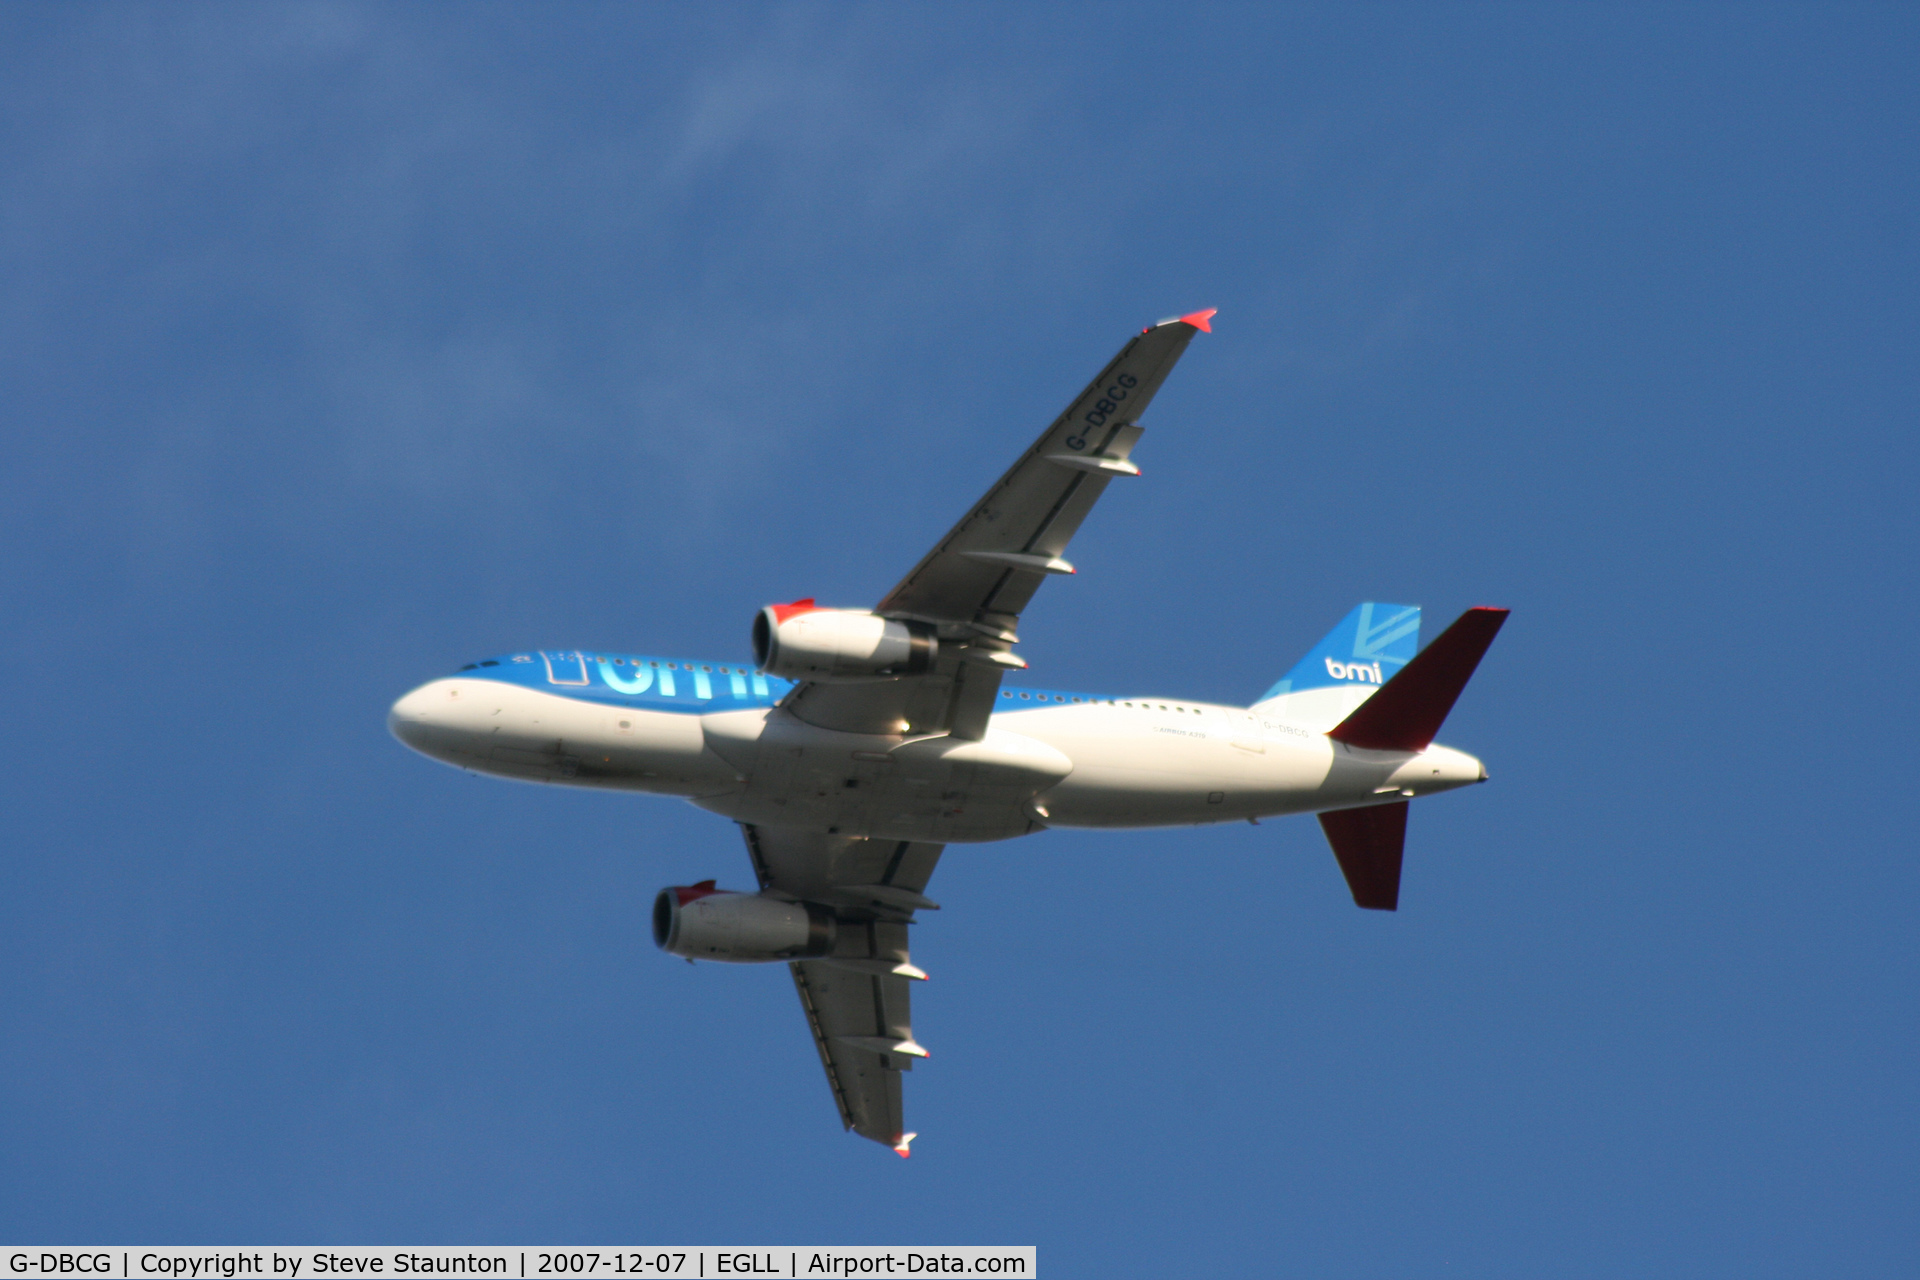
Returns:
point(858, 743)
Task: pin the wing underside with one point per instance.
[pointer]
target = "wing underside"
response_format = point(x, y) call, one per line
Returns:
point(852, 1017)
point(857, 1000)
point(976, 582)
point(971, 589)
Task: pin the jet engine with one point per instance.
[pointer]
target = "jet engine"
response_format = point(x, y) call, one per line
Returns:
point(705, 923)
point(801, 642)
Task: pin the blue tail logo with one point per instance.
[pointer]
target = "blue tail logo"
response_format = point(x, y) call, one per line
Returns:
point(1368, 646)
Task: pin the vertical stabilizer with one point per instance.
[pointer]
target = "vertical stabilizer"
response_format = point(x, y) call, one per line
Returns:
point(1365, 651)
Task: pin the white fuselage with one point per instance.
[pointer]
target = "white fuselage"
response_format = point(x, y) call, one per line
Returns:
point(1145, 763)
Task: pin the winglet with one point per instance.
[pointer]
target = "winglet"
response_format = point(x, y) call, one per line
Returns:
point(1410, 707)
point(1202, 320)
point(902, 1142)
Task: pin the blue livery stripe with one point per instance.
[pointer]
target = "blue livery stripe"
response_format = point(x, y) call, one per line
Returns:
point(694, 688)
point(625, 680)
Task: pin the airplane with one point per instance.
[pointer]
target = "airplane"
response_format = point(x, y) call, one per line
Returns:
point(858, 743)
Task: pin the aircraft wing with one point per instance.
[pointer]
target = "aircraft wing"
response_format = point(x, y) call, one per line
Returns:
point(856, 1001)
point(976, 582)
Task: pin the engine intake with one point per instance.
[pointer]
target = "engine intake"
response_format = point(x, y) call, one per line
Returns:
point(800, 642)
point(705, 923)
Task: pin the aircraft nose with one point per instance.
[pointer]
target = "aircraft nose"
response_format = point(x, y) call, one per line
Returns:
point(411, 719)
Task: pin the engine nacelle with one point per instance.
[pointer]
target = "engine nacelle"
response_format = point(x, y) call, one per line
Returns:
point(705, 923)
point(800, 642)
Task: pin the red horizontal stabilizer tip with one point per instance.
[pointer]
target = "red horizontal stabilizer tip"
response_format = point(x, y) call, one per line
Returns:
point(1202, 320)
point(1368, 844)
point(1410, 708)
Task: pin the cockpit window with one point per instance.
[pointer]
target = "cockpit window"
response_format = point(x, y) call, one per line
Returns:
point(470, 666)
point(489, 663)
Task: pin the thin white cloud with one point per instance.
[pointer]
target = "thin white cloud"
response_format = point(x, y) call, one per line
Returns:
point(330, 164)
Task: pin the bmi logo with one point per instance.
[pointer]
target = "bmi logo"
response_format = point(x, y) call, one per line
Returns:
point(1367, 673)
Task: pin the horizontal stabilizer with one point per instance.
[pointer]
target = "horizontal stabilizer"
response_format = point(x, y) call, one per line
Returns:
point(1368, 844)
point(1410, 708)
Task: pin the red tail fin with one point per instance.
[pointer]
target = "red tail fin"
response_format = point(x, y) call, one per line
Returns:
point(1368, 843)
point(1410, 707)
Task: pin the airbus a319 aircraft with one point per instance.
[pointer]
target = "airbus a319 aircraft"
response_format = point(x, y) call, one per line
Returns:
point(859, 743)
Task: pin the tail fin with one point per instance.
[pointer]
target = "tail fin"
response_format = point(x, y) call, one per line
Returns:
point(1411, 707)
point(1369, 646)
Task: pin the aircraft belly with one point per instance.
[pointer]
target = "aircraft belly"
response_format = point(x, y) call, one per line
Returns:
point(938, 789)
point(1134, 770)
point(633, 750)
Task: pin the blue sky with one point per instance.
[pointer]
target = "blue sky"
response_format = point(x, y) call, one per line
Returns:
point(343, 344)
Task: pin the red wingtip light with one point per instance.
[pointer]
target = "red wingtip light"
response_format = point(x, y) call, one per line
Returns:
point(1202, 320)
point(902, 1141)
